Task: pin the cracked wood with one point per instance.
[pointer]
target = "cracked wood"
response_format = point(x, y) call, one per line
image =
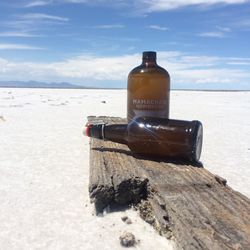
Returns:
point(184, 202)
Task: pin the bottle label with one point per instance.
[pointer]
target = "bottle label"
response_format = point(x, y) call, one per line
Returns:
point(149, 107)
point(149, 104)
point(140, 113)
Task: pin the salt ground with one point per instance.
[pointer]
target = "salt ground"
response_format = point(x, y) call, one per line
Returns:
point(44, 161)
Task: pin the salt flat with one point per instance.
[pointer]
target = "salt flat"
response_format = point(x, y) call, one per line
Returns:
point(44, 162)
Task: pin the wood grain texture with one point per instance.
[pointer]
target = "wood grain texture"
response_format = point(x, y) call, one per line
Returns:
point(184, 202)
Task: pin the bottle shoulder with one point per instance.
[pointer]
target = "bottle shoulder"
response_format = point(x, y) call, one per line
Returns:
point(142, 69)
point(162, 123)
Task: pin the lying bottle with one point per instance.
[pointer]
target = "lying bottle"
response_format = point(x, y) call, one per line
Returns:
point(158, 137)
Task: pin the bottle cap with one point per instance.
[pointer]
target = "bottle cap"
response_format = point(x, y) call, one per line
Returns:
point(94, 130)
point(86, 130)
point(149, 55)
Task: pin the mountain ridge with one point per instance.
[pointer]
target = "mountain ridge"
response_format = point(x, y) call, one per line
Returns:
point(37, 84)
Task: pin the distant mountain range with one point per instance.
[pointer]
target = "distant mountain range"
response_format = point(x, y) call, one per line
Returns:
point(66, 85)
point(35, 84)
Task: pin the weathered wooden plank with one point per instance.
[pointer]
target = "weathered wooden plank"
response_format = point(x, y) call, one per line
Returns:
point(185, 202)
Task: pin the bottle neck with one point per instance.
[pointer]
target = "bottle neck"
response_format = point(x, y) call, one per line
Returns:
point(116, 133)
point(111, 132)
point(149, 59)
point(149, 62)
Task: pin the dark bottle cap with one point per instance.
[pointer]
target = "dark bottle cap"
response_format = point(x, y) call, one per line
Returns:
point(94, 130)
point(149, 55)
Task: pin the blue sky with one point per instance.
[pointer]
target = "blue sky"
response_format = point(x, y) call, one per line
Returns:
point(203, 44)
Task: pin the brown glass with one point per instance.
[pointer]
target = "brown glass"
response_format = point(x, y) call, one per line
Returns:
point(148, 89)
point(159, 137)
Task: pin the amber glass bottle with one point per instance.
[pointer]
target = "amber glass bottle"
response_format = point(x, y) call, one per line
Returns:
point(165, 138)
point(148, 89)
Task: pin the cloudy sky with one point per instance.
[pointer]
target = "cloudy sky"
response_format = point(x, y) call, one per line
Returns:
point(203, 44)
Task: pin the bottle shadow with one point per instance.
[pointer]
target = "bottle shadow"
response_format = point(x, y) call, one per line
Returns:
point(176, 161)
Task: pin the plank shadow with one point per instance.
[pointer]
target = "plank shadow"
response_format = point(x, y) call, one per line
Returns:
point(177, 162)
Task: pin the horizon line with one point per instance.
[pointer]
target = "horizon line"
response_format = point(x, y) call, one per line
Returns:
point(107, 88)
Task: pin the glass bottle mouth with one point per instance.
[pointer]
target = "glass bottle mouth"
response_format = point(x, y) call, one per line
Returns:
point(149, 55)
point(197, 142)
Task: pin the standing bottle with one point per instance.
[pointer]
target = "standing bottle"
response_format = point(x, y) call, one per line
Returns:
point(152, 136)
point(148, 89)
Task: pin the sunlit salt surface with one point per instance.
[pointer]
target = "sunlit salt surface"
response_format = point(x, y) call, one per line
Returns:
point(44, 163)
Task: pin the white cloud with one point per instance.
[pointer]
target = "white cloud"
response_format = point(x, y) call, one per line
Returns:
point(33, 21)
point(220, 32)
point(36, 3)
point(17, 34)
point(242, 24)
point(143, 6)
point(224, 29)
point(109, 26)
point(217, 34)
point(239, 61)
point(208, 76)
point(14, 46)
point(42, 16)
point(98, 68)
point(245, 23)
point(78, 1)
point(111, 3)
point(183, 68)
point(157, 27)
point(164, 5)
